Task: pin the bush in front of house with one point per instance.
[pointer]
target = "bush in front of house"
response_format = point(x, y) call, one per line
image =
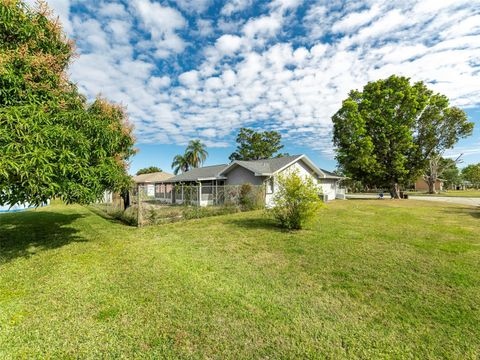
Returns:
point(296, 201)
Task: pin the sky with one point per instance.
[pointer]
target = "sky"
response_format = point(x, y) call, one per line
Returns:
point(202, 69)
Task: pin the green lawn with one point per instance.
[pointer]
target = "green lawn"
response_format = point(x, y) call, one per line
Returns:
point(370, 279)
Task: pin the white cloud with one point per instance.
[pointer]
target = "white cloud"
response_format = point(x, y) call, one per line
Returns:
point(189, 78)
point(196, 6)
point(355, 20)
point(246, 76)
point(114, 10)
point(228, 44)
point(234, 6)
point(161, 22)
point(205, 27)
point(262, 26)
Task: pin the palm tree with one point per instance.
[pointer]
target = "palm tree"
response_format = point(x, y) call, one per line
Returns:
point(196, 153)
point(180, 163)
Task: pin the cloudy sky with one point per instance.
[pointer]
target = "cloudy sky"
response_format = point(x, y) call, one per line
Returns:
point(204, 68)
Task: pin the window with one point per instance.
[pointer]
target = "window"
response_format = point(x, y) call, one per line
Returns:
point(270, 185)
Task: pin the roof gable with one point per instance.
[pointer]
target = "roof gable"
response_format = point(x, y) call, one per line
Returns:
point(264, 167)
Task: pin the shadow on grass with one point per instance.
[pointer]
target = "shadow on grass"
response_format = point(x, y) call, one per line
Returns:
point(106, 216)
point(255, 223)
point(472, 211)
point(27, 233)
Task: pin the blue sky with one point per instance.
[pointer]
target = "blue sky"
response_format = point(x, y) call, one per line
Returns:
point(201, 69)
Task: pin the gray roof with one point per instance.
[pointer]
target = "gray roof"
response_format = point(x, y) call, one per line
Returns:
point(195, 174)
point(267, 166)
point(259, 167)
point(330, 174)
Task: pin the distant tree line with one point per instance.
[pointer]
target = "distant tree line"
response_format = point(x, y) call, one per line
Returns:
point(148, 170)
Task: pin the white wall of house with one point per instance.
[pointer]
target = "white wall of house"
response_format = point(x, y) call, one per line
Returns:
point(328, 186)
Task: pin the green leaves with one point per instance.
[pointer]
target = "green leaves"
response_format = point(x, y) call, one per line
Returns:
point(195, 154)
point(149, 170)
point(296, 200)
point(385, 134)
point(52, 143)
point(471, 173)
point(254, 145)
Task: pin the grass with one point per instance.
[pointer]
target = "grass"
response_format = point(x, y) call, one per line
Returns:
point(369, 279)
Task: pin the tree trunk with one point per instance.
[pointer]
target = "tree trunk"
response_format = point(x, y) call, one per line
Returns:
point(395, 191)
point(126, 199)
point(431, 186)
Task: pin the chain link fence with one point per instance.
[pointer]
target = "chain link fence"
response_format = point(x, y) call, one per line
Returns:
point(148, 204)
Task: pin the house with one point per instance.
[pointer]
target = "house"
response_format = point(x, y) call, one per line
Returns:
point(210, 179)
point(148, 181)
point(422, 185)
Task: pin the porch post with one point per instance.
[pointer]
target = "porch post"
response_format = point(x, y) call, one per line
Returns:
point(199, 194)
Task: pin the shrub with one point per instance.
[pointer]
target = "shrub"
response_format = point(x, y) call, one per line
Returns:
point(196, 212)
point(251, 197)
point(246, 199)
point(130, 216)
point(296, 201)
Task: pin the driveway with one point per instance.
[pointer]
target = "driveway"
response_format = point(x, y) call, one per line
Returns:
point(451, 200)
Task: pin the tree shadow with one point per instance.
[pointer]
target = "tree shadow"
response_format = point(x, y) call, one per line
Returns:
point(104, 215)
point(255, 224)
point(467, 210)
point(24, 234)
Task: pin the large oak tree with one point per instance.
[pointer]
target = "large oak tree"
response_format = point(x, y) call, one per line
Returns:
point(386, 134)
point(52, 142)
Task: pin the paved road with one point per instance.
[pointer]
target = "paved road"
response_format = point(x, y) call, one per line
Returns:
point(448, 199)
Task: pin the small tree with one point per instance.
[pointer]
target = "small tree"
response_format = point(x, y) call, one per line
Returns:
point(296, 201)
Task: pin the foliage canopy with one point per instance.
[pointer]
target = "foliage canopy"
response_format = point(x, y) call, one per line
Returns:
point(194, 156)
point(148, 170)
point(471, 173)
point(52, 142)
point(256, 145)
point(386, 134)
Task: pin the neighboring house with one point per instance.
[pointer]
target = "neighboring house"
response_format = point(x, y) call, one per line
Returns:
point(255, 172)
point(149, 180)
point(422, 185)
